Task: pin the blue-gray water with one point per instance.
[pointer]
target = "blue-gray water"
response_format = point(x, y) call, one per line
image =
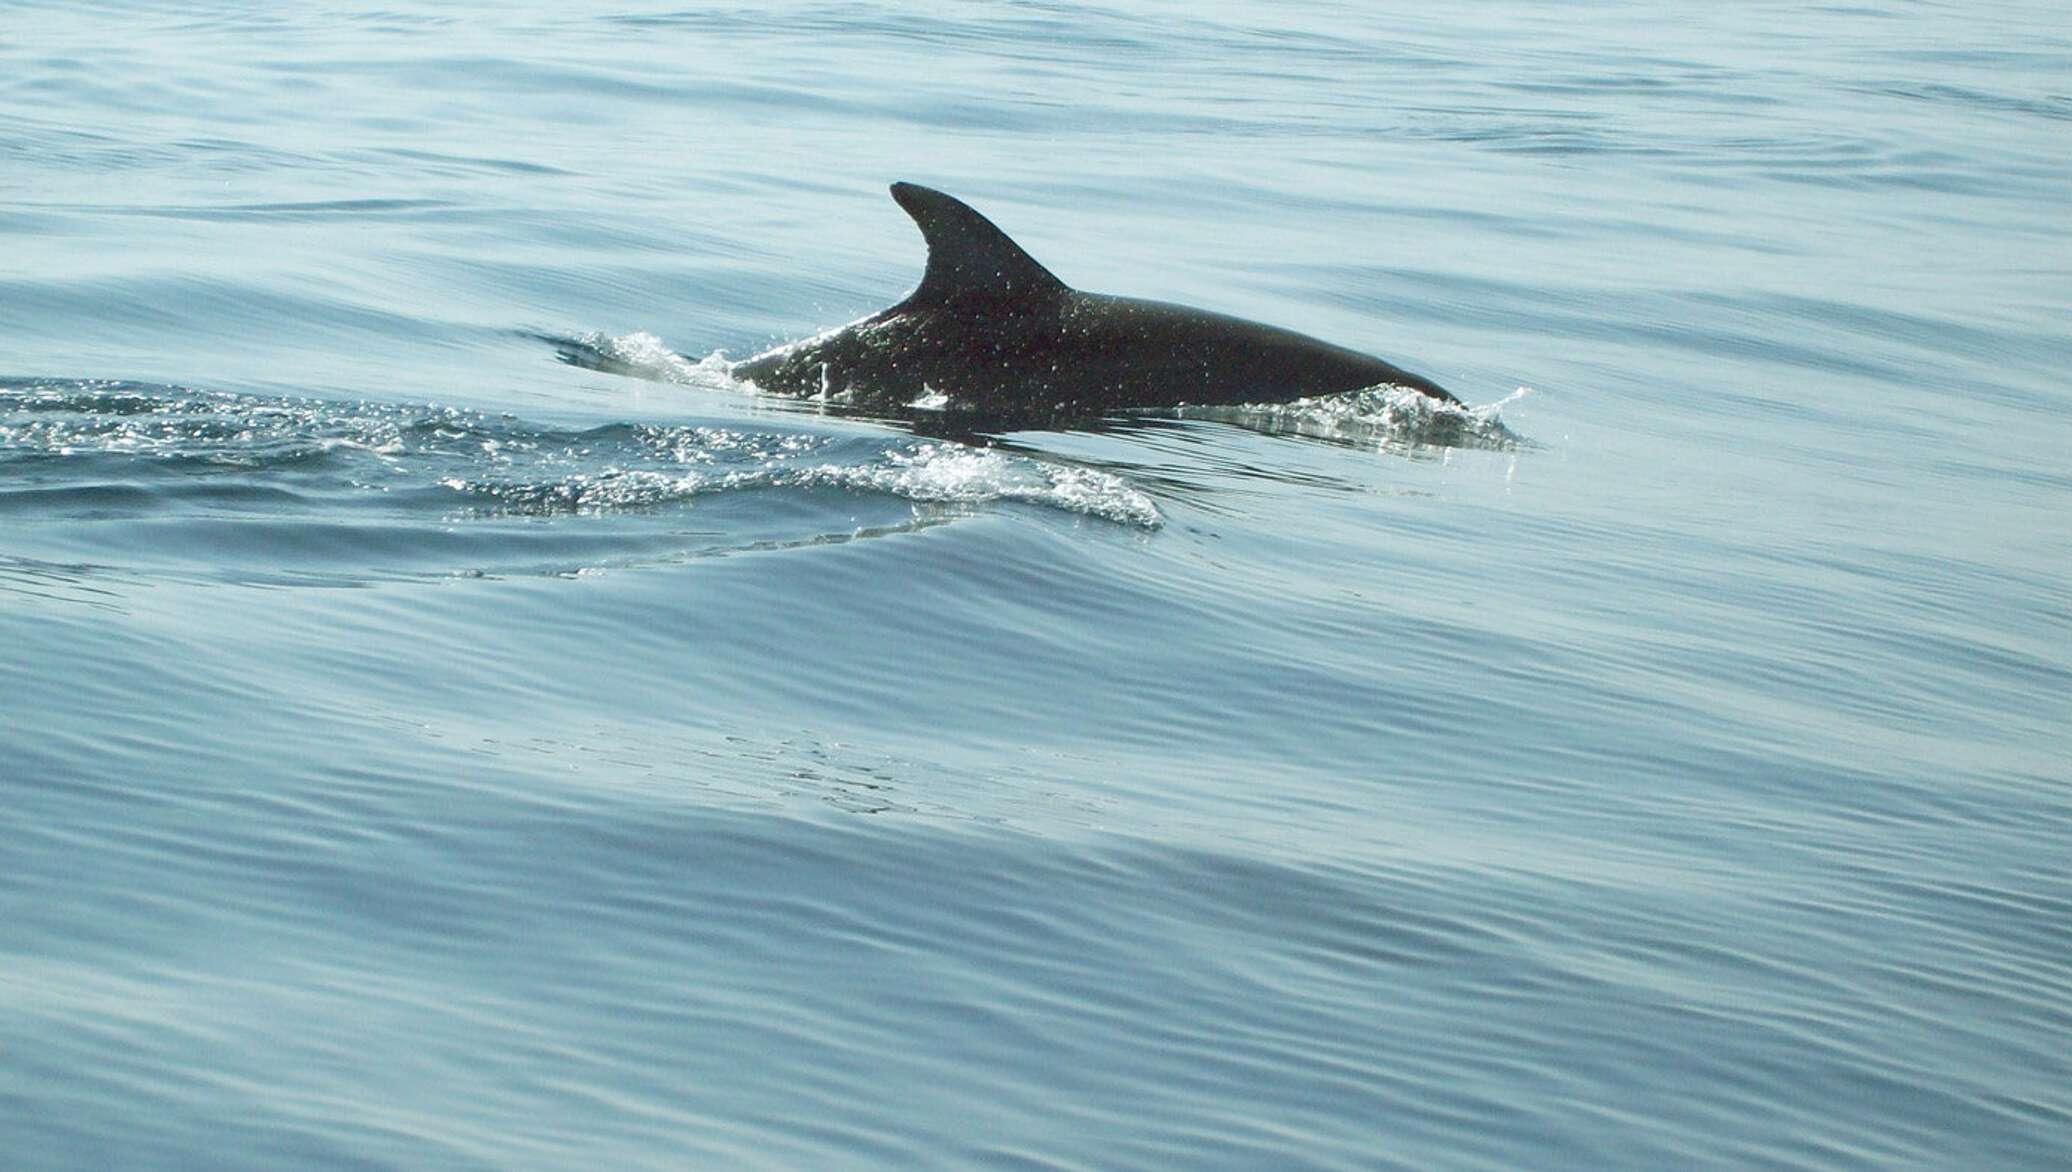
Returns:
point(420, 752)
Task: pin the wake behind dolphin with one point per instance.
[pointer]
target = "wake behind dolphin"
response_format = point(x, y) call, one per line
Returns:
point(991, 333)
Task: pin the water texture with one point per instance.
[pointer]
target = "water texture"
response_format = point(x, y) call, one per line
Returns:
point(450, 724)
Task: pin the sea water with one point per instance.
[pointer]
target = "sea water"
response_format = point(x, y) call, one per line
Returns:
point(423, 749)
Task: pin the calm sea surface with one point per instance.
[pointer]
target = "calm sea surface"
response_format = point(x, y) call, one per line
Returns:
point(423, 752)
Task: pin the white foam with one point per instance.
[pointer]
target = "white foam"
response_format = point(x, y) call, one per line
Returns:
point(643, 355)
point(958, 474)
point(930, 473)
point(1386, 415)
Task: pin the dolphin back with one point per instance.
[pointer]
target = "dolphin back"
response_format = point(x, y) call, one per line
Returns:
point(996, 333)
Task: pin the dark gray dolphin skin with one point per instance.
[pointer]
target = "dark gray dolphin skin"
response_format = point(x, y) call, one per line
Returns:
point(997, 334)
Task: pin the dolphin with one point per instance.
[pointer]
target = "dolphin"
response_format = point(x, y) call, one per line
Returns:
point(991, 333)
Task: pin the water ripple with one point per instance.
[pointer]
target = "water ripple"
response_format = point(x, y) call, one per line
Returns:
point(100, 451)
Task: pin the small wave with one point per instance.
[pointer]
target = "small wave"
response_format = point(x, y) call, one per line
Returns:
point(642, 355)
point(1385, 416)
point(926, 473)
point(184, 425)
point(955, 473)
point(333, 449)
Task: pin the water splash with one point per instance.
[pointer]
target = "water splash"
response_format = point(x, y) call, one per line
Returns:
point(505, 465)
point(1387, 417)
point(925, 473)
point(643, 355)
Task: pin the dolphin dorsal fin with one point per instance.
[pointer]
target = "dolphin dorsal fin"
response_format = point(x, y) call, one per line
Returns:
point(969, 258)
